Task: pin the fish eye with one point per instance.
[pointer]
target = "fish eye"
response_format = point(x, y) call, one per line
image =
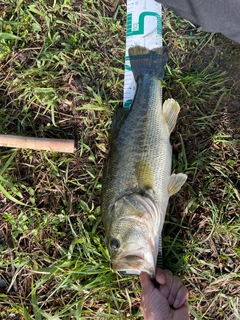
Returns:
point(114, 243)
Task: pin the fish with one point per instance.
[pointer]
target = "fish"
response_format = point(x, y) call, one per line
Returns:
point(137, 180)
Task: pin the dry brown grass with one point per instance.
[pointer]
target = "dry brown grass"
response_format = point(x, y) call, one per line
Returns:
point(53, 257)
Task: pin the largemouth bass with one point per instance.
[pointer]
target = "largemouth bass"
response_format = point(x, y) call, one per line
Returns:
point(137, 180)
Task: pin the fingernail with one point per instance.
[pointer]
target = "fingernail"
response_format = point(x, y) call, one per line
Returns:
point(162, 278)
point(170, 300)
point(176, 303)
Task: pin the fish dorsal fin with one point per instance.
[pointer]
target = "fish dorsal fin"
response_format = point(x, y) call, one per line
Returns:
point(144, 175)
point(171, 109)
point(176, 181)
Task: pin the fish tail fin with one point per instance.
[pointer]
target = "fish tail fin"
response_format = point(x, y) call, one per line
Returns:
point(145, 61)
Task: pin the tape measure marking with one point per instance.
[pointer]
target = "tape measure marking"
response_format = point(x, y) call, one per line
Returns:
point(144, 28)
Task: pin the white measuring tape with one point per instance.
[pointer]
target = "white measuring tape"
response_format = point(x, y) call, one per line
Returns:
point(144, 28)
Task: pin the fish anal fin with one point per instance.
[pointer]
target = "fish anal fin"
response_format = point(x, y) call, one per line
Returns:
point(170, 110)
point(119, 117)
point(144, 175)
point(176, 181)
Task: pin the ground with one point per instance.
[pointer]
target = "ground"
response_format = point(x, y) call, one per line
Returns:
point(61, 76)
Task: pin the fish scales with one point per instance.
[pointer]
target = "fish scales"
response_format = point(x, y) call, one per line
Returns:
point(136, 180)
point(141, 138)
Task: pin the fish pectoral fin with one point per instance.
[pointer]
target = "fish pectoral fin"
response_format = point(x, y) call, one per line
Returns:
point(176, 181)
point(170, 110)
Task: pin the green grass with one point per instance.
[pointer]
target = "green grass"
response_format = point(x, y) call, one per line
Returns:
point(61, 76)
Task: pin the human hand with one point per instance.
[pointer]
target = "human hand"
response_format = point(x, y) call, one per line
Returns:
point(168, 302)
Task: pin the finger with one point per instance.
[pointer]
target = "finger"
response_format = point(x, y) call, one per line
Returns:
point(160, 276)
point(176, 285)
point(181, 297)
point(165, 288)
point(183, 312)
point(147, 289)
point(146, 282)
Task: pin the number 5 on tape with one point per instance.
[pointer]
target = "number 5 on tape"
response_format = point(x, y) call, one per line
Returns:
point(144, 28)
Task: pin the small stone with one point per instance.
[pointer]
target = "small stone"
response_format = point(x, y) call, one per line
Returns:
point(2, 237)
point(236, 136)
point(3, 284)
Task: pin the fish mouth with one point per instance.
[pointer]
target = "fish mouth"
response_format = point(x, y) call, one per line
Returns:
point(133, 263)
point(138, 254)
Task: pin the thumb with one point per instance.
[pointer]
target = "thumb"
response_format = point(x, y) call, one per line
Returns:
point(146, 282)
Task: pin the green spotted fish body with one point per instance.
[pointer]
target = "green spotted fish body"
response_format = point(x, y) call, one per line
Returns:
point(137, 180)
